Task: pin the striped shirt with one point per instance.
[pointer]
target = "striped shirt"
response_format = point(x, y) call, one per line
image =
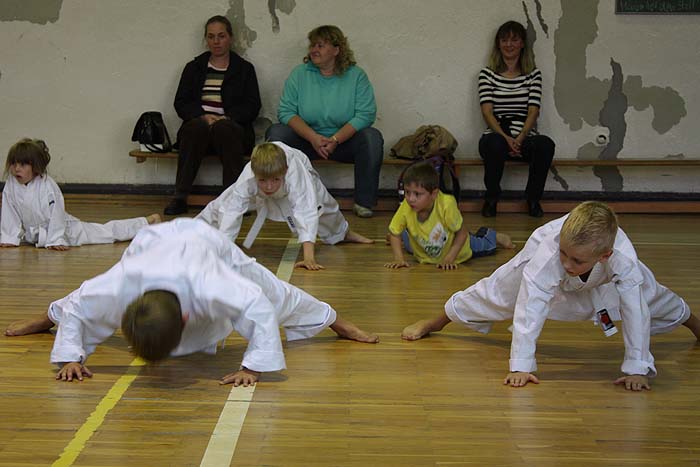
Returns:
point(211, 91)
point(511, 97)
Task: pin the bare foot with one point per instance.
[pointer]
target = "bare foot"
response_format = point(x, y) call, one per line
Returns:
point(349, 331)
point(504, 241)
point(29, 326)
point(693, 323)
point(154, 219)
point(354, 237)
point(424, 327)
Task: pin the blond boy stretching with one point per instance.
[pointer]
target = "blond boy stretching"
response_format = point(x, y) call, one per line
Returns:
point(180, 288)
point(581, 266)
point(280, 184)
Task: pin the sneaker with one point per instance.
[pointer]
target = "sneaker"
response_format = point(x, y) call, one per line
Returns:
point(175, 207)
point(361, 211)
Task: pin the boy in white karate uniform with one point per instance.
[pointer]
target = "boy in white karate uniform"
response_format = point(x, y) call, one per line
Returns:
point(180, 288)
point(280, 184)
point(570, 269)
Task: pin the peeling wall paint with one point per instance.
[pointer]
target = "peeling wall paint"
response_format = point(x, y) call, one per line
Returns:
point(285, 6)
point(243, 36)
point(34, 11)
point(105, 62)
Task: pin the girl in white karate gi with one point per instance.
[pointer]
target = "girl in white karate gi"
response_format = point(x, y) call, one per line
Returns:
point(280, 184)
point(570, 269)
point(217, 289)
point(33, 210)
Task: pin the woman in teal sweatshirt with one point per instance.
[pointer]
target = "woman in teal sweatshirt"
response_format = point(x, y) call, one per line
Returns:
point(327, 109)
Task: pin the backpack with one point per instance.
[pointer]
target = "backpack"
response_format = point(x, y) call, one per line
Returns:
point(447, 175)
point(151, 133)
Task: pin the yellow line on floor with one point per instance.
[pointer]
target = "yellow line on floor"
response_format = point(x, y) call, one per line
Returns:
point(94, 421)
point(223, 440)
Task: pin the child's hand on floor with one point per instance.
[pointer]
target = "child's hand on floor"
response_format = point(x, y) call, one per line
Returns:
point(73, 370)
point(519, 379)
point(447, 266)
point(309, 264)
point(634, 382)
point(243, 377)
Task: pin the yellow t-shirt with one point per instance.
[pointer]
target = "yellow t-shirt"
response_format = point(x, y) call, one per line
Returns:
point(432, 239)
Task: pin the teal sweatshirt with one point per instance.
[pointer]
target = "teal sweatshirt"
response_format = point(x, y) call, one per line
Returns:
point(326, 103)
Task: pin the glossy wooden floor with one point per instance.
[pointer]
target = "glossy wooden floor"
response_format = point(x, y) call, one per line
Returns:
point(436, 402)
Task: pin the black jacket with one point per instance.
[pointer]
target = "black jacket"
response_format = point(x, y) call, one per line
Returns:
point(239, 91)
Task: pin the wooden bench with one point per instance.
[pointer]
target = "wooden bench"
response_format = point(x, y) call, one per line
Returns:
point(507, 205)
point(142, 156)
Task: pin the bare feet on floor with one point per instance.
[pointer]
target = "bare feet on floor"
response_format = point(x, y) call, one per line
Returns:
point(354, 237)
point(349, 331)
point(424, 327)
point(504, 241)
point(29, 326)
point(154, 219)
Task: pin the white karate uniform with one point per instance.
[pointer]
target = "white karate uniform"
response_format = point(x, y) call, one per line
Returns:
point(534, 286)
point(35, 213)
point(302, 202)
point(219, 287)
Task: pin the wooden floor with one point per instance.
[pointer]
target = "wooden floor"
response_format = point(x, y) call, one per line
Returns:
point(436, 402)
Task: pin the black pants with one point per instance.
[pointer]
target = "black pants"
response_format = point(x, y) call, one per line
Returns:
point(537, 151)
point(225, 139)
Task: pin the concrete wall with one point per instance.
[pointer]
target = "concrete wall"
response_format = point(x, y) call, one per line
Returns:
point(78, 73)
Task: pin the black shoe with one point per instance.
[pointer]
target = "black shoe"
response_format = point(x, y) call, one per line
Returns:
point(489, 208)
point(534, 209)
point(175, 207)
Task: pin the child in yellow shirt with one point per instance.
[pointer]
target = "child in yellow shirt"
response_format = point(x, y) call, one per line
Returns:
point(429, 225)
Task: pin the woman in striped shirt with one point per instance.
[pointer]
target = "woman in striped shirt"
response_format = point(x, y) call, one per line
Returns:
point(218, 99)
point(510, 92)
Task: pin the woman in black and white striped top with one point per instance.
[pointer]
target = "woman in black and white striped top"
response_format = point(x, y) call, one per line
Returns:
point(510, 92)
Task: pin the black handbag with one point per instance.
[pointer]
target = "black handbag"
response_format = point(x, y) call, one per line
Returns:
point(150, 131)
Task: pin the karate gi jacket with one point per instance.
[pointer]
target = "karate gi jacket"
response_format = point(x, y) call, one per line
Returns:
point(299, 202)
point(217, 299)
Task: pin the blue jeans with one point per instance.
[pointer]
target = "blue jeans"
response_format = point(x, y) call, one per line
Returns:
point(482, 243)
point(365, 149)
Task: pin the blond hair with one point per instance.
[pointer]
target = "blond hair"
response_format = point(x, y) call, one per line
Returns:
point(527, 58)
point(268, 160)
point(152, 324)
point(29, 151)
point(334, 36)
point(592, 224)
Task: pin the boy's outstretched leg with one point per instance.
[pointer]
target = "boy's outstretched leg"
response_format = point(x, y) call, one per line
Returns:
point(504, 241)
point(349, 331)
point(422, 328)
point(354, 237)
point(693, 323)
point(29, 326)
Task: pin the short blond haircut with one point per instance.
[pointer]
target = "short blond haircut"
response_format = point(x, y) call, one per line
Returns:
point(152, 324)
point(591, 224)
point(268, 160)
